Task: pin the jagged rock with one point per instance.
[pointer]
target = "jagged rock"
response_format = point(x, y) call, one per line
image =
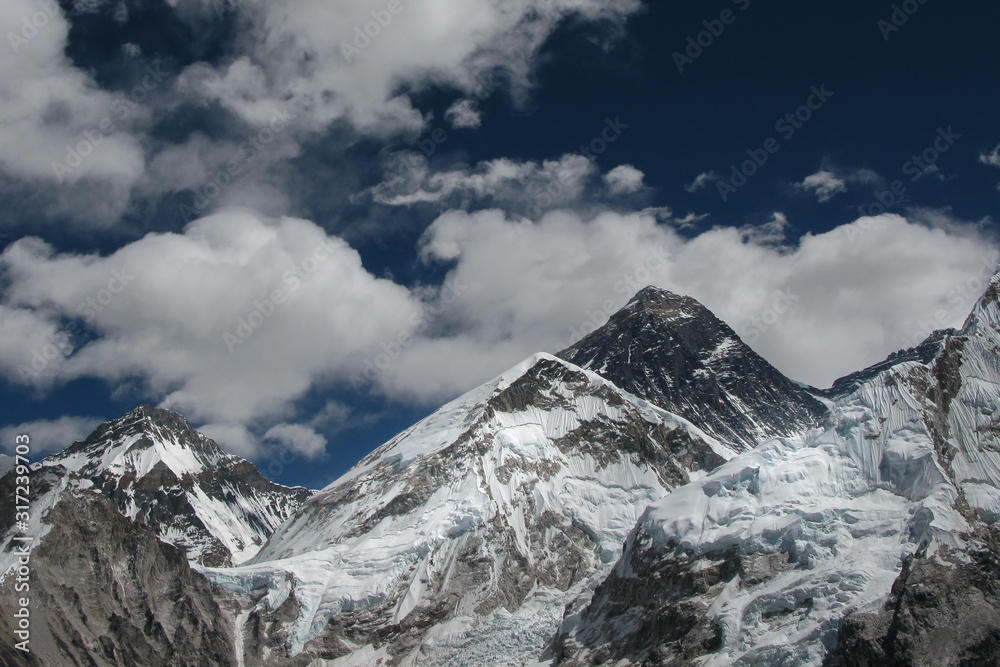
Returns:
point(940, 614)
point(105, 591)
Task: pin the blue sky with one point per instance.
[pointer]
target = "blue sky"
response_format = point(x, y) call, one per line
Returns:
point(305, 237)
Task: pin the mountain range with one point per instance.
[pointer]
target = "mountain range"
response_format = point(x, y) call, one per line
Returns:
point(657, 494)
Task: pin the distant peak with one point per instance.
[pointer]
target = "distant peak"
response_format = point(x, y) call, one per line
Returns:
point(654, 293)
point(146, 412)
point(664, 303)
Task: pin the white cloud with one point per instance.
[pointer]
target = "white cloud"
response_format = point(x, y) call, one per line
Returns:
point(49, 435)
point(299, 439)
point(992, 158)
point(288, 56)
point(530, 185)
point(863, 288)
point(665, 214)
point(517, 287)
point(181, 294)
point(824, 184)
point(336, 59)
point(624, 179)
point(55, 113)
point(701, 180)
point(464, 115)
point(831, 181)
point(771, 233)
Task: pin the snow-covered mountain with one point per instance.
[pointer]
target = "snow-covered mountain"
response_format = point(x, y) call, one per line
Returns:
point(459, 540)
point(550, 517)
point(761, 562)
point(160, 471)
point(676, 354)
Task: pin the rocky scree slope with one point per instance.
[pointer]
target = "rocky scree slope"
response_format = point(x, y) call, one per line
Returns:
point(105, 591)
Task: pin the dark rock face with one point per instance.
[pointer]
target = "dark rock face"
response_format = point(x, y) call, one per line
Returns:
point(938, 615)
point(673, 352)
point(105, 591)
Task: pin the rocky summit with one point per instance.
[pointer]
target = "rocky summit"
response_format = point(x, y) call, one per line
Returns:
point(676, 354)
point(161, 472)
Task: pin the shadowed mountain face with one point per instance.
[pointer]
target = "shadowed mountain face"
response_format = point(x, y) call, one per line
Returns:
point(673, 352)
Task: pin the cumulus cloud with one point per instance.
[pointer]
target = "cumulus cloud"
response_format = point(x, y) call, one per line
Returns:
point(60, 130)
point(464, 115)
point(624, 179)
point(992, 159)
point(771, 233)
point(237, 317)
point(528, 185)
point(297, 438)
point(228, 322)
point(861, 290)
point(49, 435)
point(328, 63)
point(335, 59)
point(826, 183)
point(665, 214)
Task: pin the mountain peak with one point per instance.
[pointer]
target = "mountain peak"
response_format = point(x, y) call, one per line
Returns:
point(162, 472)
point(664, 303)
point(674, 352)
point(139, 441)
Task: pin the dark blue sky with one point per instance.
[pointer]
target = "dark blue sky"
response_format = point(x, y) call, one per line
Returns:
point(892, 94)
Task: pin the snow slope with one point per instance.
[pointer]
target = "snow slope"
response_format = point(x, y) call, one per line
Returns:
point(161, 472)
point(505, 498)
point(760, 561)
